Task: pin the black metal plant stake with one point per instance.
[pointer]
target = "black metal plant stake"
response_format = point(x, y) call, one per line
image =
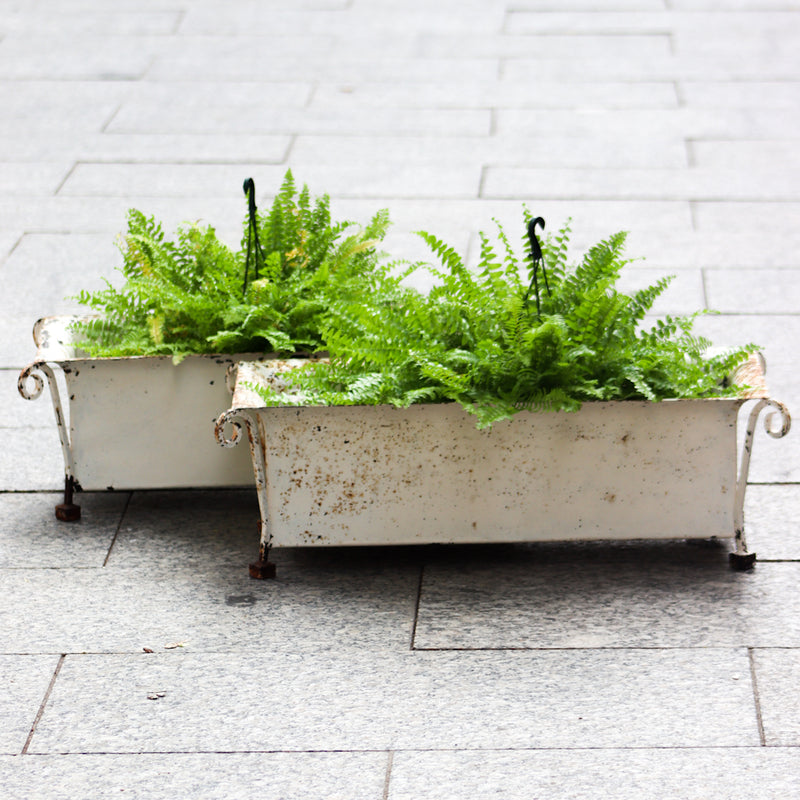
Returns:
point(538, 260)
point(252, 234)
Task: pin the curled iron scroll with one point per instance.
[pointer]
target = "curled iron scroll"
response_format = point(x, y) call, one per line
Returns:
point(779, 412)
point(228, 418)
point(33, 372)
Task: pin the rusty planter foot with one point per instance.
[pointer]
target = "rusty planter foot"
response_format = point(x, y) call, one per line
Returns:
point(262, 570)
point(68, 511)
point(742, 561)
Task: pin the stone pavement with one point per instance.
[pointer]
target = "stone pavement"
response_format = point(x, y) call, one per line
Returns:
point(558, 671)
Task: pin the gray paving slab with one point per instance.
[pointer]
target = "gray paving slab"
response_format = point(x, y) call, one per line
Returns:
point(710, 248)
point(217, 180)
point(740, 94)
point(644, 184)
point(757, 155)
point(39, 178)
point(224, 63)
point(56, 57)
point(91, 22)
point(379, 19)
point(718, 774)
point(196, 527)
point(616, 19)
point(588, 5)
point(772, 521)
point(755, 291)
point(8, 240)
point(606, 46)
point(16, 412)
point(32, 460)
point(107, 214)
point(30, 114)
point(692, 123)
point(207, 606)
point(604, 595)
point(206, 776)
point(25, 679)
point(497, 94)
point(766, 219)
point(227, 118)
point(351, 699)
point(693, 65)
point(777, 674)
point(31, 536)
point(181, 148)
point(46, 270)
point(510, 151)
point(17, 348)
point(685, 294)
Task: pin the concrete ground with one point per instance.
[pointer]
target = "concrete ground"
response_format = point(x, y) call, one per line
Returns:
point(558, 671)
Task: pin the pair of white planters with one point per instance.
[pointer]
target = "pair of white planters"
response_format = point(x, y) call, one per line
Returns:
point(369, 475)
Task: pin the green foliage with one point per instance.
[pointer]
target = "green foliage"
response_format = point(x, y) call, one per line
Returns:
point(476, 338)
point(191, 296)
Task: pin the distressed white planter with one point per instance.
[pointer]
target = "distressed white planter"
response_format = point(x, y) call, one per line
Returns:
point(367, 475)
point(133, 423)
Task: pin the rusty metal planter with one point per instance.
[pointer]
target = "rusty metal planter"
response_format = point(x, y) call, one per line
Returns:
point(133, 423)
point(366, 475)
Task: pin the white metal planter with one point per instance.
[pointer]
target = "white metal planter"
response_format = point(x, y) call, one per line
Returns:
point(133, 423)
point(366, 475)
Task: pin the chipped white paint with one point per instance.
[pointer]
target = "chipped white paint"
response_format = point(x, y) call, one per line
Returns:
point(380, 475)
point(135, 423)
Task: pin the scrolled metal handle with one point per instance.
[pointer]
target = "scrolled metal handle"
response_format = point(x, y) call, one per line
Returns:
point(228, 418)
point(33, 372)
point(780, 413)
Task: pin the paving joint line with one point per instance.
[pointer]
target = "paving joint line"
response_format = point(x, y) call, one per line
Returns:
point(40, 712)
point(756, 696)
point(557, 749)
point(178, 22)
point(388, 778)
point(118, 528)
point(417, 603)
point(69, 174)
point(704, 283)
point(104, 126)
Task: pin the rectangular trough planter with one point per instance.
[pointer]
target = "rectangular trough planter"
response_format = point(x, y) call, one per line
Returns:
point(133, 423)
point(367, 475)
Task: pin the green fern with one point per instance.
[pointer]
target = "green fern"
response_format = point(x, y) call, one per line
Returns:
point(477, 339)
point(191, 295)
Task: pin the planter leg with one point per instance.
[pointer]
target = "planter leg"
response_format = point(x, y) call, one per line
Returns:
point(68, 511)
point(742, 559)
point(263, 568)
